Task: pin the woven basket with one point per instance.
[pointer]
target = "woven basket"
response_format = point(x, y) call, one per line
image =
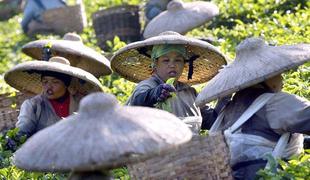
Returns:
point(60, 21)
point(122, 21)
point(201, 158)
point(66, 19)
point(9, 109)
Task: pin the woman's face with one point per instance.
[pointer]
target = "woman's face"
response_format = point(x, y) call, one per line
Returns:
point(169, 65)
point(275, 83)
point(53, 87)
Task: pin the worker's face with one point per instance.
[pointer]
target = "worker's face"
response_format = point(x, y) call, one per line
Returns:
point(53, 87)
point(169, 65)
point(275, 83)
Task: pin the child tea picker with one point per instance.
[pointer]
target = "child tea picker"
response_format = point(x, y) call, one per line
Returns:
point(260, 119)
point(169, 55)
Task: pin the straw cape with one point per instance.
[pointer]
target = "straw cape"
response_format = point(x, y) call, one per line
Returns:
point(26, 76)
point(181, 17)
point(255, 62)
point(133, 62)
point(102, 135)
point(72, 48)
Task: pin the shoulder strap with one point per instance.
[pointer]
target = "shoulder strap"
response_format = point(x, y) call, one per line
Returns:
point(279, 148)
point(259, 102)
point(252, 109)
point(40, 4)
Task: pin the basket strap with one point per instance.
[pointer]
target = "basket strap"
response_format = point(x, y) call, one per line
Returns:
point(40, 4)
point(214, 128)
point(280, 147)
point(251, 110)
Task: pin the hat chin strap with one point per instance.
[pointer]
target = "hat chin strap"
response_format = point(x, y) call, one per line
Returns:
point(47, 54)
point(191, 66)
point(143, 51)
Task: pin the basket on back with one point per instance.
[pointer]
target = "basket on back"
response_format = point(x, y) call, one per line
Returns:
point(9, 109)
point(122, 21)
point(201, 158)
point(66, 19)
point(61, 20)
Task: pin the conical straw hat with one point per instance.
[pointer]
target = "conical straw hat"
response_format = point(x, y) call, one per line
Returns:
point(255, 62)
point(26, 76)
point(72, 48)
point(102, 135)
point(181, 17)
point(134, 65)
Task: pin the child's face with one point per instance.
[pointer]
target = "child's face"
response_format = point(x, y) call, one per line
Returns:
point(169, 65)
point(54, 88)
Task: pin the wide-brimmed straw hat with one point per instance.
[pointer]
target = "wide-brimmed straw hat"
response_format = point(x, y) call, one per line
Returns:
point(133, 62)
point(255, 62)
point(181, 17)
point(26, 77)
point(72, 48)
point(102, 135)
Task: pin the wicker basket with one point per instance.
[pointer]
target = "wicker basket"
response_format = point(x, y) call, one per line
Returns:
point(60, 21)
point(9, 109)
point(201, 158)
point(66, 19)
point(122, 21)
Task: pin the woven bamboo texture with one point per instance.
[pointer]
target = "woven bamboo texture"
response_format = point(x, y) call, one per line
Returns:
point(9, 109)
point(66, 19)
point(135, 67)
point(201, 158)
point(122, 21)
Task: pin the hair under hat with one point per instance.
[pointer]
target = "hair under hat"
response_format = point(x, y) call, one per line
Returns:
point(66, 79)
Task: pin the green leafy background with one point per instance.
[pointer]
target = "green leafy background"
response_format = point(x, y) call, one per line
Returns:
point(278, 21)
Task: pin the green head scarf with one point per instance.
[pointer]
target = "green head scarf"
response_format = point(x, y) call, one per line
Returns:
point(162, 49)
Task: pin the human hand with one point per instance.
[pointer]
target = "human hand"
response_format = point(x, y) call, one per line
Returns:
point(165, 91)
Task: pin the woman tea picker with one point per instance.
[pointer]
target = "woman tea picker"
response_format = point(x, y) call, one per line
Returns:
point(260, 119)
point(171, 55)
point(59, 88)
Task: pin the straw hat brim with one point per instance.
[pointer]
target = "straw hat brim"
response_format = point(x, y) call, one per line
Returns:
point(255, 62)
point(23, 79)
point(183, 19)
point(135, 66)
point(76, 52)
point(102, 136)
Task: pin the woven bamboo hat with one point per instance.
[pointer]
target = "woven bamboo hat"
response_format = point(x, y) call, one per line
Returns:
point(102, 135)
point(26, 77)
point(181, 17)
point(255, 62)
point(72, 48)
point(133, 61)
